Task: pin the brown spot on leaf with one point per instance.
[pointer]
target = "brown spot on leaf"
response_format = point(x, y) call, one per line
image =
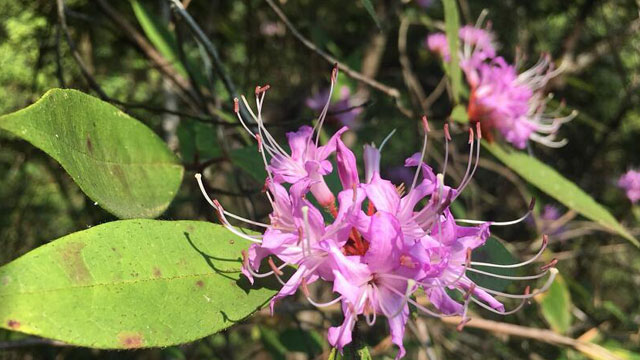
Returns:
point(231, 241)
point(130, 340)
point(5, 280)
point(156, 272)
point(89, 145)
point(200, 283)
point(14, 324)
point(119, 174)
point(71, 260)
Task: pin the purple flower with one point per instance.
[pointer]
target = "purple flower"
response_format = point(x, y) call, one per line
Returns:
point(375, 259)
point(342, 110)
point(501, 98)
point(630, 183)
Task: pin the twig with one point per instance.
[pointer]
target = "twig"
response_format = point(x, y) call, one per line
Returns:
point(393, 92)
point(74, 52)
point(594, 351)
point(211, 50)
point(435, 94)
point(162, 64)
point(59, 72)
point(409, 77)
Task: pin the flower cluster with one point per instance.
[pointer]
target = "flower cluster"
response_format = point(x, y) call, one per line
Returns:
point(630, 183)
point(501, 98)
point(381, 247)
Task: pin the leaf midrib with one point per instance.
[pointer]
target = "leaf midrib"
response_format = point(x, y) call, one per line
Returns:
point(119, 283)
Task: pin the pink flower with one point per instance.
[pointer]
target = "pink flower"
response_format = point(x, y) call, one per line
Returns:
point(438, 44)
point(501, 98)
point(375, 259)
point(630, 182)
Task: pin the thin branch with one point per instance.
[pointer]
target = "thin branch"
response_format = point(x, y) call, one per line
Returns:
point(72, 47)
point(162, 64)
point(592, 350)
point(393, 92)
point(409, 77)
point(209, 47)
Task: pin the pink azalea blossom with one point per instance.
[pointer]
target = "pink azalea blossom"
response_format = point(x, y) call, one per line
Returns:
point(630, 183)
point(501, 98)
point(382, 243)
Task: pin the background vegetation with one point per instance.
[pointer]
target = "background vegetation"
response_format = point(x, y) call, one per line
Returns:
point(145, 58)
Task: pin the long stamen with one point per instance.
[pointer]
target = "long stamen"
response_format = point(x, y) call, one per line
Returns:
point(318, 127)
point(307, 294)
point(506, 277)
point(264, 157)
point(545, 241)
point(504, 313)
point(236, 109)
point(552, 271)
point(467, 299)
point(211, 202)
point(425, 126)
point(475, 165)
point(502, 223)
point(384, 141)
point(447, 138)
point(417, 305)
point(245, 261)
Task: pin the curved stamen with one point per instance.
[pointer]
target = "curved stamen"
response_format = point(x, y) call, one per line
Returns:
point(447, 138)
point(384, 141)
point(545, 241)
point(553, 272)
point(318, 127)
point(245, 261)
point(417, 305)
point(307, 294)
point(425, 126)
point(501, 223)
point(506, 277)
point(504, 313)
point(206, 196)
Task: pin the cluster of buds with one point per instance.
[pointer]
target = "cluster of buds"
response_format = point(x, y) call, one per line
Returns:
point(500, 98)
point(383, 248)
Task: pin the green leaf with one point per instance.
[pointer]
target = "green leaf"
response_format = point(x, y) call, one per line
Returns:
point(116, 160)
point(363, 353)
point(372, 12)
point(492, 252)
point(459, 114)
point(452, 24)
point(250, 160)
point(555, 305)
point(197, 138)
point(272, 343)
point(351, 351)
point(558, 187)
point(130, 284)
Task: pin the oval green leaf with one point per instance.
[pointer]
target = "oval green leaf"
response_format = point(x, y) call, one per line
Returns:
point(558, 187)
point(116, 160)
point(130, 284)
